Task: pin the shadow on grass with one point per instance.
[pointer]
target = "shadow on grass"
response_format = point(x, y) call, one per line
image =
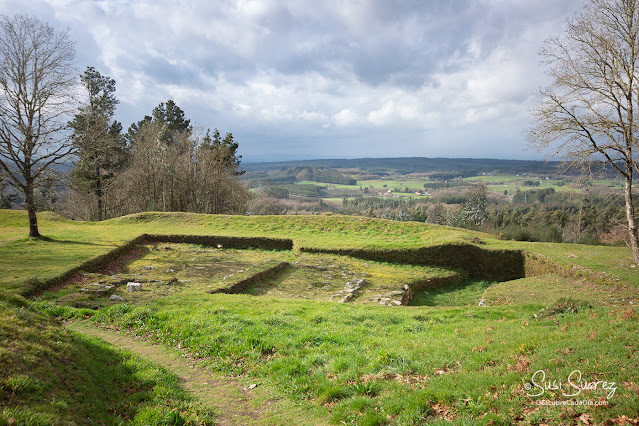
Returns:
point(53, 240)
point(457, 294)
point(49, 375)
point(263, 286)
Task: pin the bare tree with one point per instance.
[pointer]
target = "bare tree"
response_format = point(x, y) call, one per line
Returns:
point(36, 84)
point(588, 112)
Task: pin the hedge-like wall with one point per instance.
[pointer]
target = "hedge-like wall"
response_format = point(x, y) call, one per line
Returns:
point(226, 242)
point(35, 286)
point(242, 285)
point(501, 265)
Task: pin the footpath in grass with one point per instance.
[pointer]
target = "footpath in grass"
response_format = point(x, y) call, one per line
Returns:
point(407, 365)
point(234, 402)
point(50, 376)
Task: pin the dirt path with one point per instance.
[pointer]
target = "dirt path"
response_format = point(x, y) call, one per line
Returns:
point(228, 398)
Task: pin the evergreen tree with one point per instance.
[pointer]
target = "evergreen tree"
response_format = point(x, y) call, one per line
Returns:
point(171, 121)
point(228, 146)
point(172, 115)
point(98, 139)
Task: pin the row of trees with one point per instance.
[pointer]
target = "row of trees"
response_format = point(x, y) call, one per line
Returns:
point(161, 163)
point(574, 218)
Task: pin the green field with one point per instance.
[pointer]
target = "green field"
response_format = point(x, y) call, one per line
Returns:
point(440, 360)
point(392, 182)
point(495, 183)
point(512, 183)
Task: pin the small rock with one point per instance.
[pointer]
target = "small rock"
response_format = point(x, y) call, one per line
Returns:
point(131, 286)
point(253, 386)
point(97, 288)
point(170, 270)
point(116, 298)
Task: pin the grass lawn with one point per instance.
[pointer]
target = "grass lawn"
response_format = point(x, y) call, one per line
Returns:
point(382, 365)
point(49, 375)
point(443, 359)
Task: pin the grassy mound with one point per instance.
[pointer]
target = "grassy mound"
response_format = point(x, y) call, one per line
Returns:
point(72, 243)
point(547, 289)
point(51, 376)
point(441, 361)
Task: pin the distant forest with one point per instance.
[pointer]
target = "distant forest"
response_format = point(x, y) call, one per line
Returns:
point(407, 165)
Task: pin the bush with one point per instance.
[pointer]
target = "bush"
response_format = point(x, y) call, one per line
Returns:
point(589, 238)
point(519, 233)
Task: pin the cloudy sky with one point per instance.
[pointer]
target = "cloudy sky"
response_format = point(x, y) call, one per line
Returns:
point(301, 79)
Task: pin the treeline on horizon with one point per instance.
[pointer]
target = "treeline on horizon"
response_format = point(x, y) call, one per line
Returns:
point(527, 215)
point(405, 165)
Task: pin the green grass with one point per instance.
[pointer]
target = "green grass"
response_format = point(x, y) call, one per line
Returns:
point(379, 365)
point(549, 288)
point(73, 242)
point(51, 376)
point(391, 183)
point(612, 260)
point(443, 360)
point(167, 270)
point(512, 183)
point(467, 293)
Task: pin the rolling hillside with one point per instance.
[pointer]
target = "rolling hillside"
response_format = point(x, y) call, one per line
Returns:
point(438, 358)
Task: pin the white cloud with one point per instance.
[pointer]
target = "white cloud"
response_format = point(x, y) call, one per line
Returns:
point(345, 118)
point(346, 72)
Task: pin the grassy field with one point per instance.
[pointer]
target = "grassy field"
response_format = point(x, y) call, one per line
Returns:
point(73, 242)
point(494, 183)
point(391, 182)
point(441, 360)
point(404, 365)
point(51, 376)
point(513, 183)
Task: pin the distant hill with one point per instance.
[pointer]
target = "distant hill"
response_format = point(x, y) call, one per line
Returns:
point(413, 165)
point(284, 175)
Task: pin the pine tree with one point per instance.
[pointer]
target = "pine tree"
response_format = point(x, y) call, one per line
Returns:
point(101, 148)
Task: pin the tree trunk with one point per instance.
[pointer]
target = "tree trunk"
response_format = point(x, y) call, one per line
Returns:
point(98, 191)
point(31, 211)
point(630, 215)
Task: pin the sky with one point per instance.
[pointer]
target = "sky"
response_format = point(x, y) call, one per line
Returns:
point(309, 79)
